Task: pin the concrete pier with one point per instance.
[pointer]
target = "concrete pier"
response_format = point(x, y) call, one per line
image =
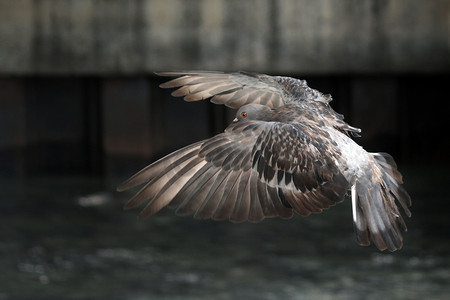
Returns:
point(288, 36)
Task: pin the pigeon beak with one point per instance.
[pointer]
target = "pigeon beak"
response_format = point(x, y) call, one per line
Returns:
point(235, 120)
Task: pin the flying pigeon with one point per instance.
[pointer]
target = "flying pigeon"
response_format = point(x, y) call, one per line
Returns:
point(286, 151)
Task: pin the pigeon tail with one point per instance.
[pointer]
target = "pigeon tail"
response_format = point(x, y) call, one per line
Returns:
point(375, 194)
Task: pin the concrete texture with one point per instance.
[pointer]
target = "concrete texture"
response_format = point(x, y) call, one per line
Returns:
point(287, 36)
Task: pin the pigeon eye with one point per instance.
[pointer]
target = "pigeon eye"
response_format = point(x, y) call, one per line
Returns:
point(244, 114)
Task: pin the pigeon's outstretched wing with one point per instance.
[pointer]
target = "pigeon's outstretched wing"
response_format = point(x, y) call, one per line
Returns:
point(237, 89)
point(253, 170)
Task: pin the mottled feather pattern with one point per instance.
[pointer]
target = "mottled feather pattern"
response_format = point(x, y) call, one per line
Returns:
point(286, 151)
point(306, 179)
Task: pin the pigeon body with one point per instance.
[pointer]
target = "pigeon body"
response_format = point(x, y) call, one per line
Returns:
point(286, 151)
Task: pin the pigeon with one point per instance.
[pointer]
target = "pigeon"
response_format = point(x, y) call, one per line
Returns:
point(286, 151)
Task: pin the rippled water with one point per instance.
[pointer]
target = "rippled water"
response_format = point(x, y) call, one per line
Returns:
point(68, 238)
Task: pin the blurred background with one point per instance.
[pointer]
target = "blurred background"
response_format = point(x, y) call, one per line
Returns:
point(81, 110)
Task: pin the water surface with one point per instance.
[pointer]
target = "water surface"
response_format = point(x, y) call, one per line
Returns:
point(68, 238)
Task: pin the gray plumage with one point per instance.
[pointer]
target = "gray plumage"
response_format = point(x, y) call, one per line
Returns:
point(287, 150)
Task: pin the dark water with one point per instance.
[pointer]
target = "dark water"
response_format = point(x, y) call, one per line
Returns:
point(68, 238)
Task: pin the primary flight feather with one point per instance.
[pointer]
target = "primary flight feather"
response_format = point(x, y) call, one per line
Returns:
point(286, 151)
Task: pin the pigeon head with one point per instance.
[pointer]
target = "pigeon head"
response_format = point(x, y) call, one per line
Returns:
point(251, 112)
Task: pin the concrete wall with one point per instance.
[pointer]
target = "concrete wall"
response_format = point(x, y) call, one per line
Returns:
point(286, 36)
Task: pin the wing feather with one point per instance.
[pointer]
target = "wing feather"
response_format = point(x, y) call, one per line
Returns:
point(237, 89)
point(253, 170)
point(230, 89)
point(227, 203)
point(159, 166)
point(303, 168)
point(256, 213)
point(213, 197)
point(194, 200)
point(242, 205)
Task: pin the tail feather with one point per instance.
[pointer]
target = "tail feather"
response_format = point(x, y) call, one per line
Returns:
point(392, 180)
point(375, 212)
point(360, 224)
